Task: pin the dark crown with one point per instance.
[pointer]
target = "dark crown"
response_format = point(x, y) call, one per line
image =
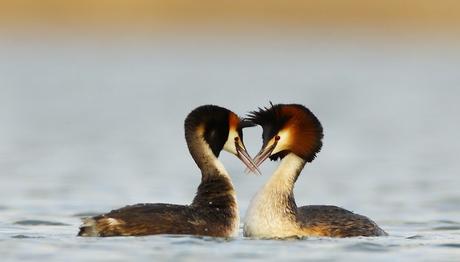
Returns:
point(307, 127)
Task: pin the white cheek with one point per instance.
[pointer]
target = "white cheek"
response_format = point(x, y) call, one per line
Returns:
point(283, 142)
point(229, 145)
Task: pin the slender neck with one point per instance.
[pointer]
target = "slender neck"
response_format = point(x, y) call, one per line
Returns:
point(280, 186)
point(200, 150)
point(216, 188)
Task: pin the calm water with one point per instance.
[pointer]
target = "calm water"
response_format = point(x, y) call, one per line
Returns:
point(92, 124)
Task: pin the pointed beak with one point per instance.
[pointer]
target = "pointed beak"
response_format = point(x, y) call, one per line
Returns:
point(263, 154)
point(243, 155)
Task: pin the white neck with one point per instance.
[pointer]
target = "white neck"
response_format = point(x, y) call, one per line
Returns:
point(285, 175)
point(272, 210)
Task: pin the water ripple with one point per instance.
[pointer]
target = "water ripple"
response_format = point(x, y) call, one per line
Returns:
point(87, 214)
point(367, 246)
point(450, 245)
point(446, 228)
point(415, 237)
point(33, 222)
point(25, 237)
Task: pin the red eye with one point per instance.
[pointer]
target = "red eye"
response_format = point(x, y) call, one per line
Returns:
point(277, 138)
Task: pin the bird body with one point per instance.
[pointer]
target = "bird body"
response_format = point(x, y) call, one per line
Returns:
point(293, 134)
point(214, 210)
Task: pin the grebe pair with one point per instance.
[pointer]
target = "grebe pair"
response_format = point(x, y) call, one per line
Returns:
point(290, 133)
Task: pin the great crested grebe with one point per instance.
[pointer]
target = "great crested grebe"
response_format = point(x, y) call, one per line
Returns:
point(293, 134)
point(214, 210)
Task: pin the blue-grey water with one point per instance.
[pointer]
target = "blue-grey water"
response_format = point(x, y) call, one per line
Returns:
point(88, 124)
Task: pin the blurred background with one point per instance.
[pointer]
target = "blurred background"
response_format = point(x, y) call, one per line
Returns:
point(93, 95)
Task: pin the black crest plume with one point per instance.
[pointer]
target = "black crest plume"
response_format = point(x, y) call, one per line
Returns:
point(270, 118)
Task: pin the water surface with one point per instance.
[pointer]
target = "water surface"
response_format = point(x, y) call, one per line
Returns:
point(88, 125)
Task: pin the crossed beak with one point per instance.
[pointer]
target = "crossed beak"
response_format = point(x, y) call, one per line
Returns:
point(243, 155)
point(264, 153)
